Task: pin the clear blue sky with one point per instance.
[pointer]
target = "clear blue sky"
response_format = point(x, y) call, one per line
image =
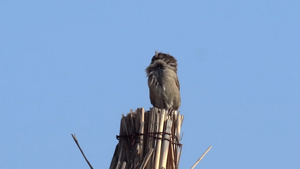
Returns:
point(76, 66)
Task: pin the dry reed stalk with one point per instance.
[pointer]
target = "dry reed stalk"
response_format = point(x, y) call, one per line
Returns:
point(148, 140)
point(166, 145)
point(201, 157)
point(159, 135)
point(146, 159)
point(123, 165)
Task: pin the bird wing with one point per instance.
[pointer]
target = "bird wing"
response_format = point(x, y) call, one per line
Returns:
point(177, 83)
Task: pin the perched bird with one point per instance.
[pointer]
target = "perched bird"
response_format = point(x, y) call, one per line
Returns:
point(163, 82)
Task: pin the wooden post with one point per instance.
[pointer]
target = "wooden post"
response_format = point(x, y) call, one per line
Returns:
point(148, 140)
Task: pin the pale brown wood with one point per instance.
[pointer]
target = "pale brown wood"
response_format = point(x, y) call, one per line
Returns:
point(165, 145)
point(146, 159)
point(158, 147)
point(148, 140)
point(201, 157)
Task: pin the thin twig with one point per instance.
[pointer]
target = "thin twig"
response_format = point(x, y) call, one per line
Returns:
point(75, 139)
point(201, 157)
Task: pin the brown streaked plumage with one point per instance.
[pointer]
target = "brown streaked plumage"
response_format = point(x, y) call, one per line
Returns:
point(163, 82)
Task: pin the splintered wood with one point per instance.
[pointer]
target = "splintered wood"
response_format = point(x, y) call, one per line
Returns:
point(148, 140)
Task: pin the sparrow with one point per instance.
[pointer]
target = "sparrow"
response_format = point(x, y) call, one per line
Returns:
point(163, 82)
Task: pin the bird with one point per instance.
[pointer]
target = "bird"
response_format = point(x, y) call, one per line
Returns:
point(163, 83)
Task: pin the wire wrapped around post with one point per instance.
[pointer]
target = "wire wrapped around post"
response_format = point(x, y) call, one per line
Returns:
point(149, 140)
